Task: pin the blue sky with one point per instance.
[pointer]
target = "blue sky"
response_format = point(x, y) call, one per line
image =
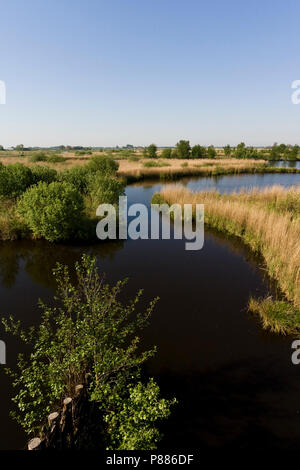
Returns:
point(117, 72)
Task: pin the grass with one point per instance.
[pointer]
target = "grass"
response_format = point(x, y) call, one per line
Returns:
point(155, 164)
point(268, 221)
point(277, 316)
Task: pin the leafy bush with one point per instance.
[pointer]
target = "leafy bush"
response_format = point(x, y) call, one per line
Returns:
point(151, 151)
point(38, 157)
point(104, 189)
point(55, 158)
point(52, 211)
point(83, 152)
point(90, 332)
point(103, 164)
point(77, 176)
point(43, 173)
point(198, 151)
point(166, 153)
point(14, 179)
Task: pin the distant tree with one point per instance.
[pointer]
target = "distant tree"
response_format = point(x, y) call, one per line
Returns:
point(211, 152)
point(151, 151)
point(166, 153)
point(1, 147)
point(240, 151)
point(20, 147)
point(227, 151)
point(183, 149)
point(198, 151)
point(275, 152)
point(174, 153)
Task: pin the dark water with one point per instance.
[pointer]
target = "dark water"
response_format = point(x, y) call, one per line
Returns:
point(235, 383)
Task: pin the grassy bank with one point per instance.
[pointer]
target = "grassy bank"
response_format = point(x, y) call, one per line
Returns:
point(178, 168)
point(269, 222)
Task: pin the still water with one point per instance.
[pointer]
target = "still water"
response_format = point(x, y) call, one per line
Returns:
point(235, 383)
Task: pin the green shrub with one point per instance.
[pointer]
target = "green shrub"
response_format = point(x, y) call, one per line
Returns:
point(77, 176)
point(38, 157)
point(166, 153)
point(43, 173)
point(53, 211)
point(103, 164)
point(14, 179)
point(104, 189)
point(83, 152)
point(55, 158)
point(90, 331)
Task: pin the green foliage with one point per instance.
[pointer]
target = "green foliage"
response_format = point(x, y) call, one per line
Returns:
point(14, 179)
point(151, 151)
point(53, 211)
point(104, 189)
point(199, 152)
point(278, 316)
point(56, 158)
point(211, 152)
point(132, 424)
point(43, 173)
point(83, 152)
point(104, 164)
point(89, 332)
point(166, 153)
point(152, 164)
point(227, 151)
point(77, 176)
point(183, 149)
point(38, 157)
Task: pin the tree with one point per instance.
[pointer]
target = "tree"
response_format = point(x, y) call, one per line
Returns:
point(183, 149)
point(166, 153)
point(151, 151)
point(1, 147)
point(211, 152)
point(198, 151)
point(240, 151)
point(227, 151)
point(89, 332)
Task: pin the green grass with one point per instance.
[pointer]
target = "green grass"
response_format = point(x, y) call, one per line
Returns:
point(277, 316)
point(155, 164)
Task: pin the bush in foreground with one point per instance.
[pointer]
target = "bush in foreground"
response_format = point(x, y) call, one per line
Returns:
point(90, 332)
point(53, 211)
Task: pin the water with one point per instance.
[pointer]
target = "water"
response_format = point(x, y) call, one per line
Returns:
point(235, 383)
point(285, 164)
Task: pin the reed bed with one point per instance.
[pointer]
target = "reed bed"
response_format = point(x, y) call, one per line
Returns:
point(268, 221)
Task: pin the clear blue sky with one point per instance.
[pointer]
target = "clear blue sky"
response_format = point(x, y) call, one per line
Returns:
point(113, 72)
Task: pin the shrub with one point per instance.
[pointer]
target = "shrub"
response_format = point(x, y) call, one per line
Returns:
point(55, 158)
point(90, 331)
point(38, 157)
point(166, 153)
point(53, 211)
point(43, 173)
point(151, 151)
point(77, 176)
point(104, 189)
point(103, 164)
point(14, 179)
